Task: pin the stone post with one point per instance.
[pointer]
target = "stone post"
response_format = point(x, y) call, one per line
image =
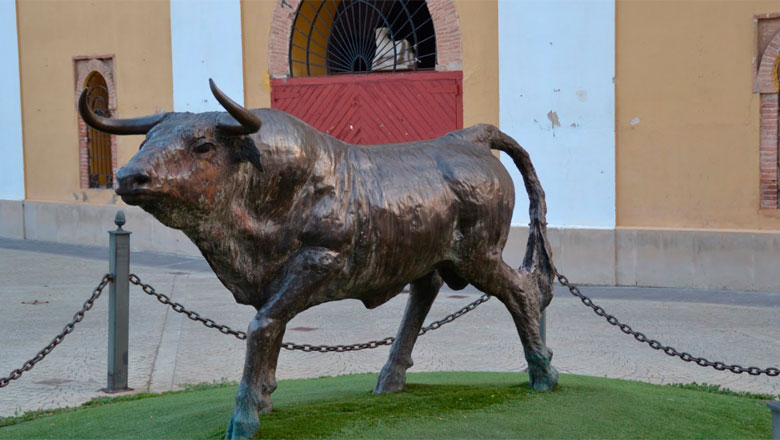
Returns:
point(118, 306)
point(775, 407)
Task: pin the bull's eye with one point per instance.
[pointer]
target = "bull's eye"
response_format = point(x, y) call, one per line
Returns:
point(203, 147)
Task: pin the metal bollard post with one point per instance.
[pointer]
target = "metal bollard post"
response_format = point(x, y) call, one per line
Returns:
point(118, 306)
point(775, 407)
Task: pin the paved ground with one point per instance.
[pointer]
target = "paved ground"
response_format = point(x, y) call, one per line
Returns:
point(43, 284)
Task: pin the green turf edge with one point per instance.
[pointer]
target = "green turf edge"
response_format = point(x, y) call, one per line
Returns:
point(203, 386)
point(108, 400)
point(717, 389)
point(346, 398)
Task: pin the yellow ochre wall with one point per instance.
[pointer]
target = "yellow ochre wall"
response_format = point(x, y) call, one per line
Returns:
point(687, 120)
point(51, 33)
point(479, 40)
point(255, 31)
point(478, 21)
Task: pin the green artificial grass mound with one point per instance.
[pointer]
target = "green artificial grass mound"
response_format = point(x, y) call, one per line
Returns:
point(435, 405)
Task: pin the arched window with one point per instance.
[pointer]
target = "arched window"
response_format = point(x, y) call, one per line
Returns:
point(368, 71)
point(353, 36)
point(99, 160)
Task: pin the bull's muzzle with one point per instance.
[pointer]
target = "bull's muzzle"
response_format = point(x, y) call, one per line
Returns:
point(133, 185)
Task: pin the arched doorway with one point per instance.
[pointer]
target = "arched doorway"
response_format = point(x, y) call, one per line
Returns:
point(368, 71)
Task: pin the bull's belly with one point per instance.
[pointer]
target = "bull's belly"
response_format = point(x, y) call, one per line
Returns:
point(378, 295)
point(381, 275)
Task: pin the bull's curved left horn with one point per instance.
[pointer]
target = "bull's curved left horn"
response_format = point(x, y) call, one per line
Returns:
point(116, 126)
point(242, 122)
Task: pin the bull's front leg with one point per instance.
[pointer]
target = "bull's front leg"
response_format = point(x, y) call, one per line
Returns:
point(303, 277)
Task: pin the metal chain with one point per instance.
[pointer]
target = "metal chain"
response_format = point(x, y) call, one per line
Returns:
point(177, 307)
point(669, 350)
point(388, 340)
point(149, 290)
point(68, 329)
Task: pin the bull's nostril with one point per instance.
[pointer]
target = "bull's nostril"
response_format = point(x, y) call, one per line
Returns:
point(140, 179)
point(134, 181)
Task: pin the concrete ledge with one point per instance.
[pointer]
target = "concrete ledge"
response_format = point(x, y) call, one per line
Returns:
point(12, 219)
point(694, 259)
point(700, 259)
point(88, 225)
point(697, 259)
point(583, 255)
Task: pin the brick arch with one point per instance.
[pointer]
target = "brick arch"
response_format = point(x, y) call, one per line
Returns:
point(85, 67)
point(767, 86)
point(445, 24)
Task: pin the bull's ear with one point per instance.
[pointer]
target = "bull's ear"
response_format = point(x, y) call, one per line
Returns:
point(247, 151)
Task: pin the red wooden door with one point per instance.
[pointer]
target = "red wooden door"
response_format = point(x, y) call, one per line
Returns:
point(375, 109)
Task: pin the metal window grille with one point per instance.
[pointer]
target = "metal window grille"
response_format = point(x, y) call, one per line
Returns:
point(360, 36)
point(100, 174)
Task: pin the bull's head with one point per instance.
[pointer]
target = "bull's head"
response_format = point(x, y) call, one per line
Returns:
point(188, 162)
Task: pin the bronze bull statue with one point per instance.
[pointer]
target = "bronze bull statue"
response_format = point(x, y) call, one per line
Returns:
point(289, 217)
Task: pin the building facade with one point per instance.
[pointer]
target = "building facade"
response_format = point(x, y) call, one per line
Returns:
point(653, 125)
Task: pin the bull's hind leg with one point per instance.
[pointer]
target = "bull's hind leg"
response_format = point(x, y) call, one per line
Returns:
point(525, 299)
point(423, 292)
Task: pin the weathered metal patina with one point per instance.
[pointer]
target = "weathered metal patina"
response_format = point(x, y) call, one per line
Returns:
point(289, 218)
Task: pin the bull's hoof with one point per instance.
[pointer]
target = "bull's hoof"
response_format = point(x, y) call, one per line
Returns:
point(243, 425)
point(542, 376)
point(543, 380)
point(390, 380)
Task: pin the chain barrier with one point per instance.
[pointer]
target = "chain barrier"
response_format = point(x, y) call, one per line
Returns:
point(224, 329)
point(179, 308)
point(68, 329)
point(669, 350)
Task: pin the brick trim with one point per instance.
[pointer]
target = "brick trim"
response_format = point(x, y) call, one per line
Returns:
point(766, 83)
point(768, 151)
point(83, 66)
point(104, 66)
point(766, 77)
point(445, 23)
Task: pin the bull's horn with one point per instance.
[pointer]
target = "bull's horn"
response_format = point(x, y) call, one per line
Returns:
point(242, 122)
point(116, 126)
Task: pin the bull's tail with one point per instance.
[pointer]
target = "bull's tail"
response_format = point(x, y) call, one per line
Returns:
point(538, 255)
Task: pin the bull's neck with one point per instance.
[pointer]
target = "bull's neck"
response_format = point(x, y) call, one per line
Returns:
point(242, 250)
point(260, 214)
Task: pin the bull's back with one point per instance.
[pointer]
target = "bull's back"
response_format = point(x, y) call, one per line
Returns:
point(415, 203)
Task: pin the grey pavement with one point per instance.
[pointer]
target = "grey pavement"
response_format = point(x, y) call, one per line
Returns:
point(43, 284)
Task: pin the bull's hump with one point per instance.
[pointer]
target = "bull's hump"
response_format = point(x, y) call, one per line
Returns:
point(279, 126)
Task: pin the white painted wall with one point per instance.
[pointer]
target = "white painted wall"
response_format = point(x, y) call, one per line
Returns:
point(205, 43)
point(11, 150)
point(557, 60)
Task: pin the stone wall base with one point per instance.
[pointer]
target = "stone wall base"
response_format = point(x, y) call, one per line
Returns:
point(89, 225)
point(12, 219)
point(681, 258)
point(699, 259)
